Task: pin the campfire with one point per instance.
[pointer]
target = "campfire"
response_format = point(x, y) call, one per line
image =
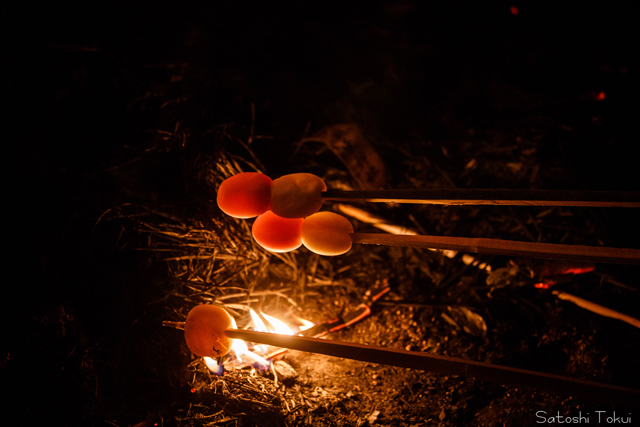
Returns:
point(241, 355)
point(237, 354)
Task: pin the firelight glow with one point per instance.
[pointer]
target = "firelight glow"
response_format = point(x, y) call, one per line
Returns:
point(240, 349)
point(278, 325)
point(262, 323)
point(258, 325)
point(306, 324)
point(257, 322)
point(211, 364)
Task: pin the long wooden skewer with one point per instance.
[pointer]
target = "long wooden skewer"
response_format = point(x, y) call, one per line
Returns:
point(597, 308)
point(504, 247)
point(622, 199)
point(448, 366)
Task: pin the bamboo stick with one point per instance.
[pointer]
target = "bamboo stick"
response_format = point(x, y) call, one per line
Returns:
point(597, 308)
point(504, 247)
point(447, 366)
point(626, 199)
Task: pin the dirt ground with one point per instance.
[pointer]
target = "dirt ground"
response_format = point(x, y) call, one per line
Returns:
point(119, 113)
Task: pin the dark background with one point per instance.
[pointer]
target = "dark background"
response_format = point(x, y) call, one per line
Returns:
point(71, 74)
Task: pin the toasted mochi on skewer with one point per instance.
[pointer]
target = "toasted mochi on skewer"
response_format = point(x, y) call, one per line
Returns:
point(327, 233)
point(245, 195)
point(204, 331)
point(277, 234)
point(297, 195)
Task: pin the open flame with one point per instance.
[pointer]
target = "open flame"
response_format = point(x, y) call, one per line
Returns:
point(213, 366)
point(242, 352)
point(258, 324)
point(262, 323)
point(304, 323)
point(279, 327)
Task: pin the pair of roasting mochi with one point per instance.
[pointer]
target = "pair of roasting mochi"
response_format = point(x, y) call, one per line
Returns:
point(287, 212)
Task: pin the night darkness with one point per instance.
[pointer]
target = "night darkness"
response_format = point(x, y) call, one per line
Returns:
point(550, 91)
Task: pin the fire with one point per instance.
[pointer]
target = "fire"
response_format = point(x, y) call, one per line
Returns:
point(213, 366)
point(262, 323)
point(276, 325)
point(279, 327)
point(306, 324)
point(258, 325)
point(240, 349)
point(257, 322)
